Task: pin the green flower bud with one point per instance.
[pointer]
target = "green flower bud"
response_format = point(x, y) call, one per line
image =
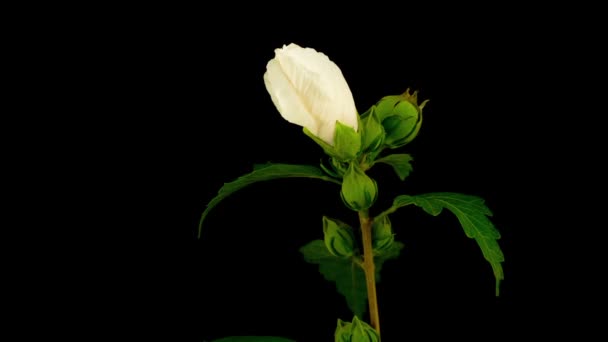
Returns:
point(359, 192)
point(357, 331)
point(382, 234)
point(401, 117)
point(338, 237)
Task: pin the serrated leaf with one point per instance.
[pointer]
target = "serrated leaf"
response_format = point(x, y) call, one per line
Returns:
point(264, 172)
point(346, 273)
point(253, 339)
point(472, 214)
point(399, 162)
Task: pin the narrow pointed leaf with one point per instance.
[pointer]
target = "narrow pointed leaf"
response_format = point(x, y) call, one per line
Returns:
point(264, 172)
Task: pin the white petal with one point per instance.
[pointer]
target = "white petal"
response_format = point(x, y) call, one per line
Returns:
point(286, 99)
point(309, 89)
point(321, 83)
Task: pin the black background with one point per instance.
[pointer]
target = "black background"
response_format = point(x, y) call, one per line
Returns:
point(180, 108)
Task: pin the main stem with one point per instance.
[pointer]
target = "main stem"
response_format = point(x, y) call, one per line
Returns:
point(369, 268)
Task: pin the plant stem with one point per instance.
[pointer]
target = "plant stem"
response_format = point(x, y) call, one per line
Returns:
point(369, 268)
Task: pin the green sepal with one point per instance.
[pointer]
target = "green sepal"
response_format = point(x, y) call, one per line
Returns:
point(385, 107)
point(342, 333)
point(357, 331)
point(339, 166)
point(401, 129)
point(329, 150)
point(331, 170)
point(347, 142)
point(372, 132)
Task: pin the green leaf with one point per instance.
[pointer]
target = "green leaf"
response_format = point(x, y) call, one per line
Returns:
point(346, 273)
point(253, 339)
point(399, 162)
point(264, 172)
point(472, 214)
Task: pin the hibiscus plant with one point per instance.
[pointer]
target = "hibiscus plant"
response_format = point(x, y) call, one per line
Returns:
point(309, 90)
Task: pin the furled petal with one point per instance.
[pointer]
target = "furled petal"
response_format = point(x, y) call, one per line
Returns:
point(286, 99)
point(308, 89)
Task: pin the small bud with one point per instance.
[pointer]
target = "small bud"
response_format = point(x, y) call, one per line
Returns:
point(338, 237)
point(382, 234)
point(359, 191)
point(401, 117)
point(357, 331)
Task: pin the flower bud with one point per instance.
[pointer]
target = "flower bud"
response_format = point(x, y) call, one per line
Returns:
point(357, 331)
point(309, 90)
point(401, 117)
point(382, 234)
point(338, 237)
point(359, 191)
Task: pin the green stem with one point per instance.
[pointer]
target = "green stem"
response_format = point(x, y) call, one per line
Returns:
point(369, 269)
